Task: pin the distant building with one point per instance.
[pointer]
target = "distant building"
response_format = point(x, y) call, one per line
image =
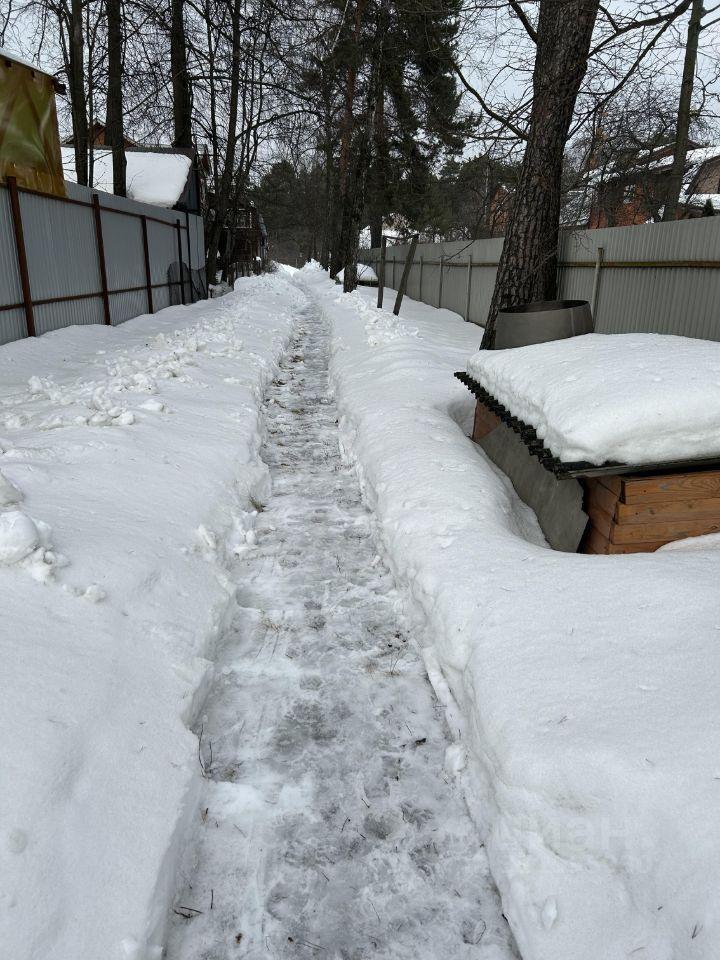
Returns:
point(97, 138)
point(244, 241)
point(624, 195)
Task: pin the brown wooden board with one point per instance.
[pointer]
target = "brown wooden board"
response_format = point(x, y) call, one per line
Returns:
point(594, 541)
point(677, 486)
point(668, 510)
point(621, 548)
point(664, 531)
point(599, 497)
point(613, 484)
point(602, 522)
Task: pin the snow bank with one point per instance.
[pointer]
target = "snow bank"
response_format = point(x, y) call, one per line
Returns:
point(152, 176)
point(128, 459)
point(582, 690)
point(366, 274)
point(632, 398)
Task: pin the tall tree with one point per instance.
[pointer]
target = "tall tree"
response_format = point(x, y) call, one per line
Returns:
point(528, 263)
point(75, 68)
point(114, 125)
point(182, 93)
point(345, 182)
point(224, 185)
point(682, 132)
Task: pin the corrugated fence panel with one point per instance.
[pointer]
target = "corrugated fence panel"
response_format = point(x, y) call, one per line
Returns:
point(646, 282)
point(61, 247)
point(68, 313)
point(125, 306)
point(124, 252)
point(12, 322)
point(12, 325)
point(162, 244)
point(62, 261)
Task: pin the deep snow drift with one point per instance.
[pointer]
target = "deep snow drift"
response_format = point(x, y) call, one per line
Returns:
point(633, 398)
point(128, 460)
point(584, 690)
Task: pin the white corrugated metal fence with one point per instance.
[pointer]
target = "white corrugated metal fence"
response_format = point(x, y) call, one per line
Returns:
point(659, 277)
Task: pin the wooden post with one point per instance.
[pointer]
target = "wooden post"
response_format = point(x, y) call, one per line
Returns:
point(180, 261)
point(440, 282)
point(146, 256)
point(381, 272)
point(469, 287)
point(405, 274)
point(101, 257)
point(21, 255)
point(393, 262)
point(422, 264)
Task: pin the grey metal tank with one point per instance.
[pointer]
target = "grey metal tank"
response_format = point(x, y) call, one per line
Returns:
point(542, 321)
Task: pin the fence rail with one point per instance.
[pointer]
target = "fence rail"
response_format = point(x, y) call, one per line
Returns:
point(652, 278)
point(91, 257)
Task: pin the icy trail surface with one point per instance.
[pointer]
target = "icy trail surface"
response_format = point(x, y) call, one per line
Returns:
point(329, 826)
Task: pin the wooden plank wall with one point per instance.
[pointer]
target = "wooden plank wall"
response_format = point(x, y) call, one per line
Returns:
point(632, 514)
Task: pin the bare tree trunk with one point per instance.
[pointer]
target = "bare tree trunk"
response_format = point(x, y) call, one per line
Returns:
point(379, 173)
point(182, 94)
point(223, 199)
point(114, 132)
point(354, 197)
point(682, 134)
point(528, 263)
point(76, 84)
point(348, 124)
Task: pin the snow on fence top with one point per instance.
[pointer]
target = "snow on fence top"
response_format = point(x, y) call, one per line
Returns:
point(632, 398)
point(152, 176)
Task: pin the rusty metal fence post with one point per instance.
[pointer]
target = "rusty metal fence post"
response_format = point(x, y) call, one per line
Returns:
point(146, 257)
point(180, 261)
point(190, 259)
point(21, 255)
point(101, 257)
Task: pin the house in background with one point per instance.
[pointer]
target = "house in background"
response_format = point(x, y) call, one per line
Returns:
point(622, 195)
point(244, 241)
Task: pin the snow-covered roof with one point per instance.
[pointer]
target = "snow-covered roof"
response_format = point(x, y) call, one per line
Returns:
point(632, 398)
point(699, 199)
point(694, 158)
point(10, 55)
point(155, 177)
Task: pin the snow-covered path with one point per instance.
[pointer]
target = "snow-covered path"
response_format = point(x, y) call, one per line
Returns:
point(328, 826)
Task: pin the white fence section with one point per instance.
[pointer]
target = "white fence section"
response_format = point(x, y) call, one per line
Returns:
point(653, 278)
